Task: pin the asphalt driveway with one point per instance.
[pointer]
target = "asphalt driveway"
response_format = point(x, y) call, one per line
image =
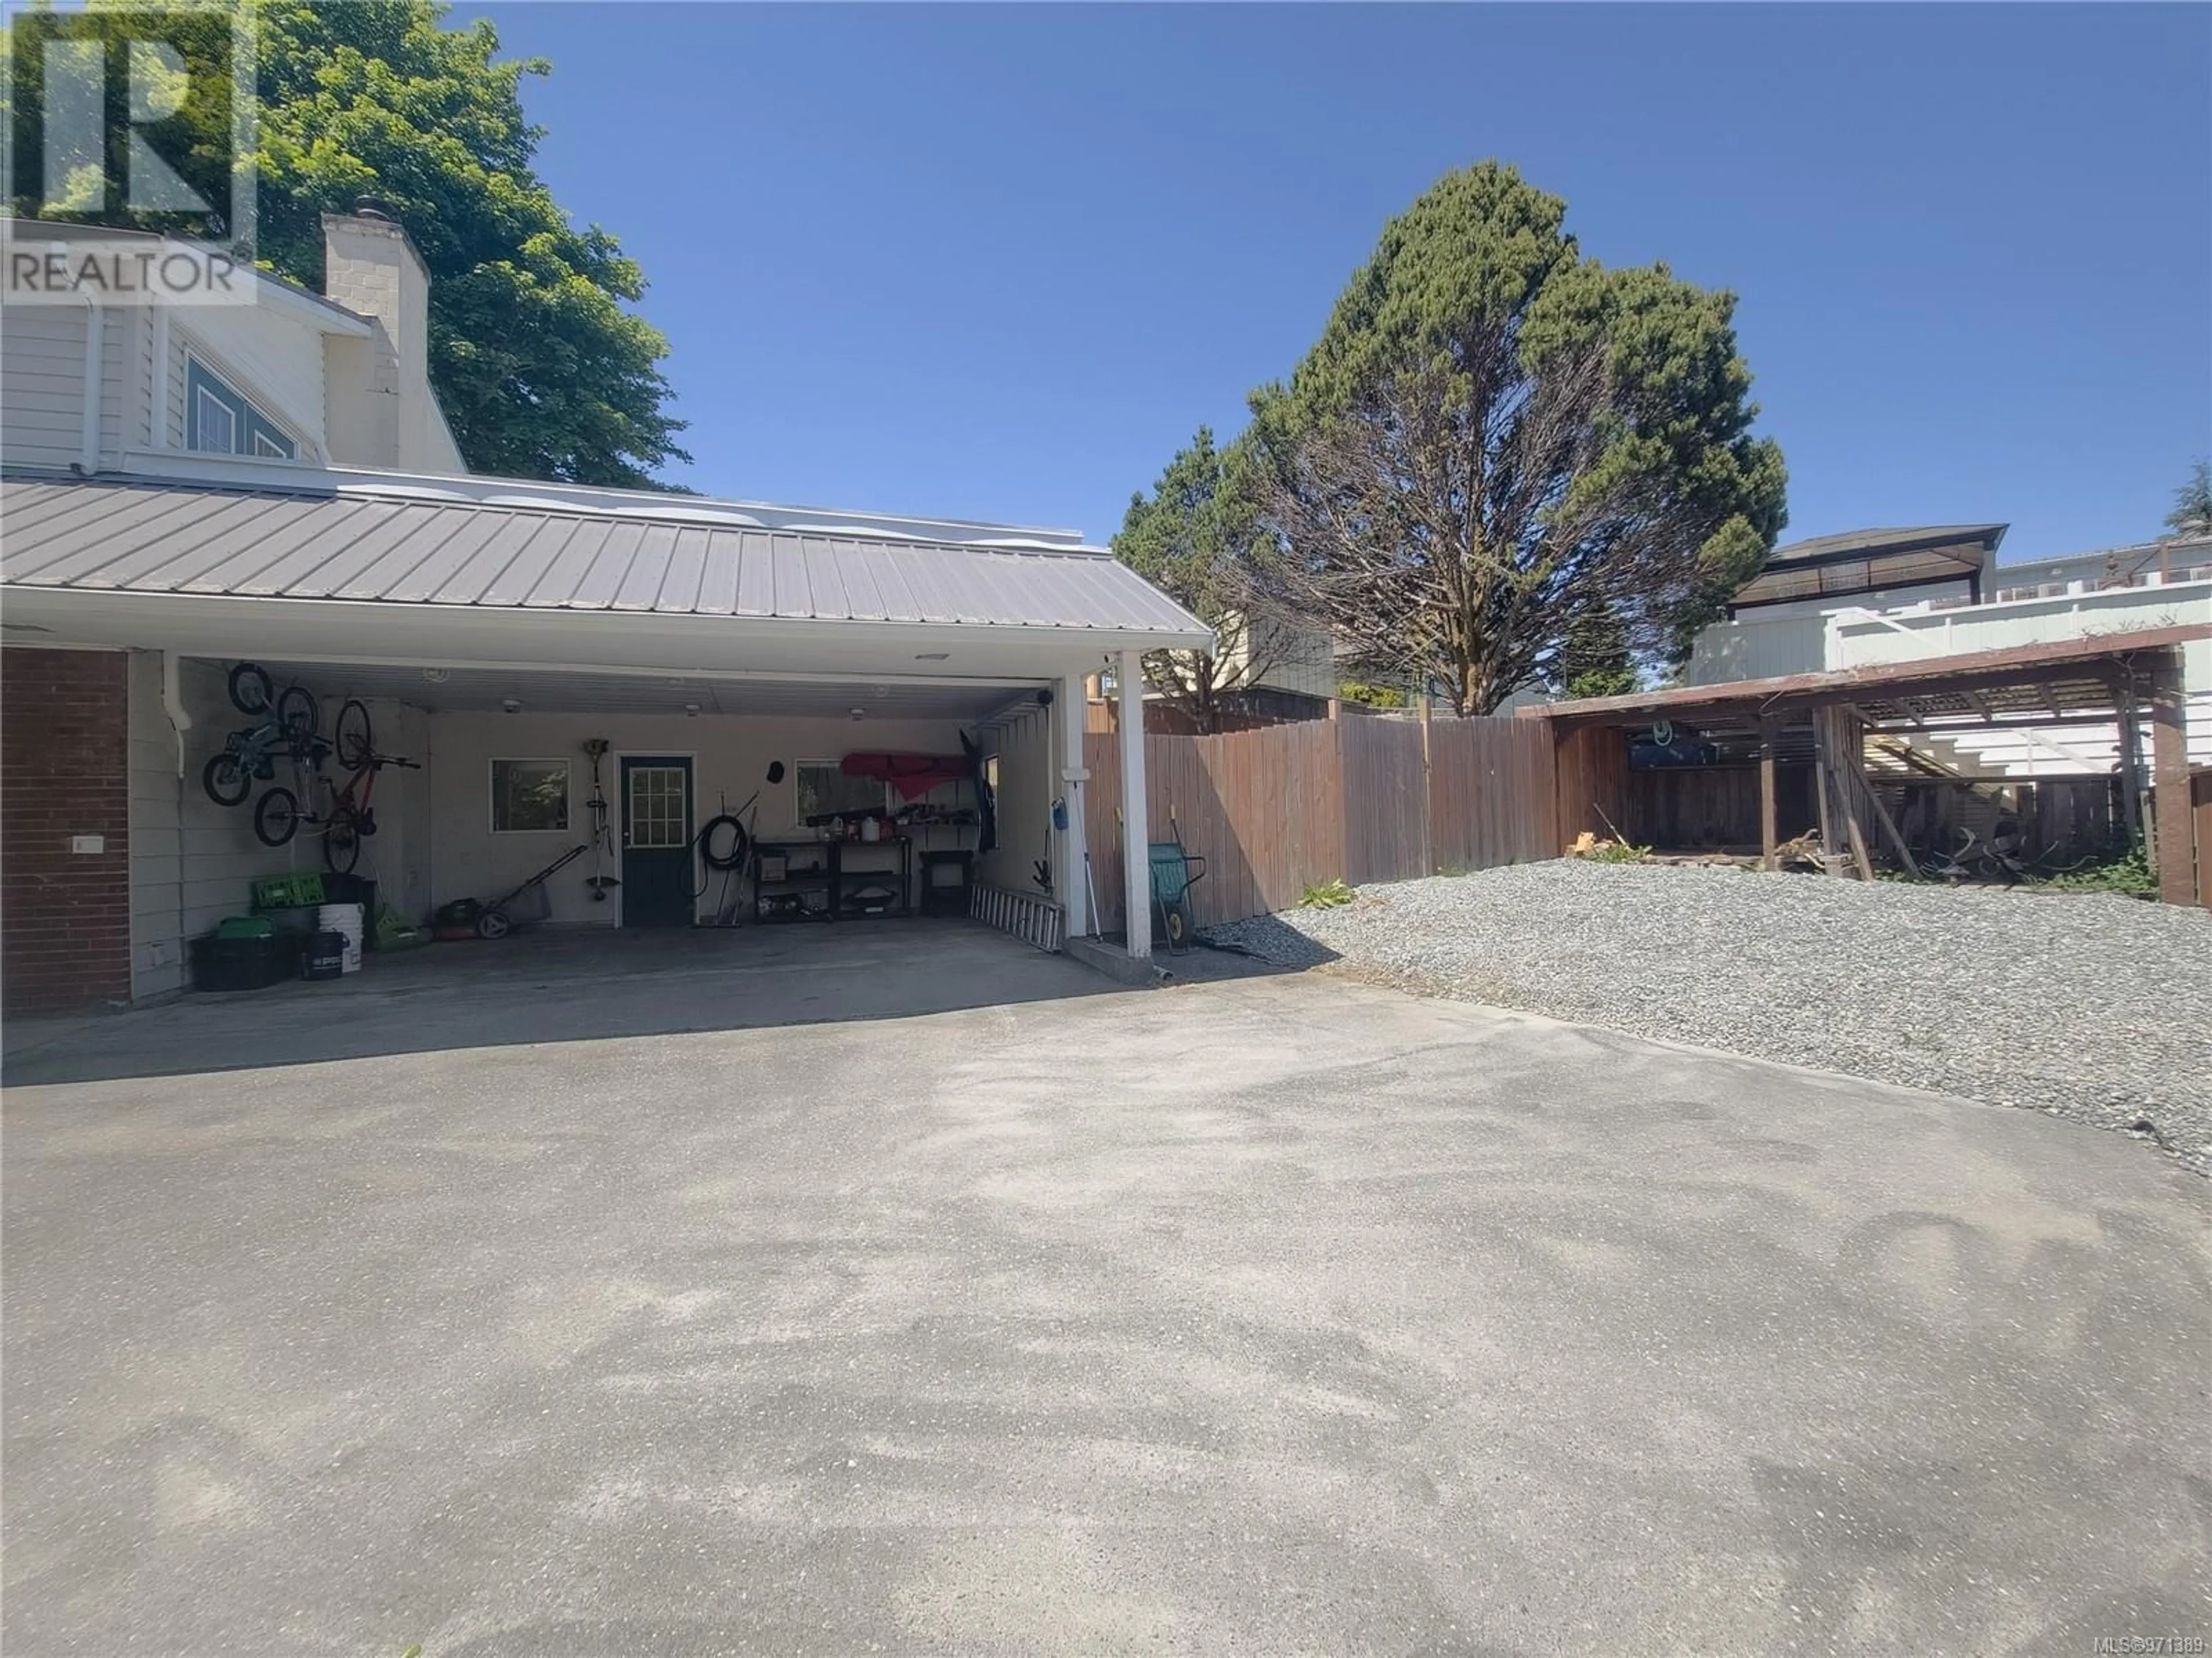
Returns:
point(1269, 1315)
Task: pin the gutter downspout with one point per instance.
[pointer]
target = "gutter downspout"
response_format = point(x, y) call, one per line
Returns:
point(96, 325)
point(172, 704)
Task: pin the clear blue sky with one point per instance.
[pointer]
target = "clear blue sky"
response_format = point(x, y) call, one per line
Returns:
point(999, 262)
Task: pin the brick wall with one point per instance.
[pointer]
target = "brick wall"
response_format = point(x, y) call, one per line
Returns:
point(64, 746)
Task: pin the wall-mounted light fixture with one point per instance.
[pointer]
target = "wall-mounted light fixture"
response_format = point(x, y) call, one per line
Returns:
point(692, 710)
point(511, 704)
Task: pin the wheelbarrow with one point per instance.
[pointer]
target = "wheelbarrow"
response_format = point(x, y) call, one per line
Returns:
point(500, 916)
point(1175, 872)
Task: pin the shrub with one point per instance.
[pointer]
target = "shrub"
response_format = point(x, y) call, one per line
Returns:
point(2127, 872)
point(1326, 896)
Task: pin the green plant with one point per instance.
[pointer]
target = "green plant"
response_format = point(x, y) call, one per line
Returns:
point(2127, 872)
point(1373, 696)
point(1328, 895)
point(1615, 852)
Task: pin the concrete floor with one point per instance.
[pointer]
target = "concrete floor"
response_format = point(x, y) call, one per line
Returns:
point(1265, 1315)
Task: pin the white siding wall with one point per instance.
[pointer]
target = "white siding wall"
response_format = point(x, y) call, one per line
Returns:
point(731, 760)
point(42, 382)
point(1023, 745)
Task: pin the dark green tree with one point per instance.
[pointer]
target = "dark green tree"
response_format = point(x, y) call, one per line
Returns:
point(1198, 538)
point(542, 369)
point(2192, 503)
point(1593, 660)
point(1495, 436)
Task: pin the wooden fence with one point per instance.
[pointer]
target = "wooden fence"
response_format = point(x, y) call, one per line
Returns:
point(1274, 809)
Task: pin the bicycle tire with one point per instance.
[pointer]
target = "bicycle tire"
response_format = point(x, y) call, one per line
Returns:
point(297, 716)
point(226, 781)
point(342, 843)
point(252, 691)
point(276, 816)
point(354, 737)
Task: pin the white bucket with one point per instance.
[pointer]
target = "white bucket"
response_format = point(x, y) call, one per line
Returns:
point(346, 919)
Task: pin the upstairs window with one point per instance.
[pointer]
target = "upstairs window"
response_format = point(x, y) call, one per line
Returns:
point(219, 421)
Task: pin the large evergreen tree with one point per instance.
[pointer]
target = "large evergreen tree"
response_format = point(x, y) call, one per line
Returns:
point(542, 367)
point(1496, 439)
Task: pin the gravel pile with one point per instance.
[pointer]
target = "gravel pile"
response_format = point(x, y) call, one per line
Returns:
point(2085, 1006)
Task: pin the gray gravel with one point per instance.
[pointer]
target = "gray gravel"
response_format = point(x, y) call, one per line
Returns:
point(2091, 1007)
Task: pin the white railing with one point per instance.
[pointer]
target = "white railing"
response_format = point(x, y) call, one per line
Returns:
point(1861, 639)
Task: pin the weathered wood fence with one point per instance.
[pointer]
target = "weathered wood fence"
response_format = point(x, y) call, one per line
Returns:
point(1360, 799)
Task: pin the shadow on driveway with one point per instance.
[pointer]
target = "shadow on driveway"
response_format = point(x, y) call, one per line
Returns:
point(570, 986)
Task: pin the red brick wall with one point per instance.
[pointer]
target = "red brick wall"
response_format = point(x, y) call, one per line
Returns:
point(65, 753)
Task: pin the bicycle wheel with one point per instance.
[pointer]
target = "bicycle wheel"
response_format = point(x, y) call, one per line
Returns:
point(251, 691)
point(296, 712)
point(342, 843)
point(356, 738)
point(277, 817)
point(226, 781)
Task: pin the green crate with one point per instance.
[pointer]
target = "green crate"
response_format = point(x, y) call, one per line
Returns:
point(288, 891)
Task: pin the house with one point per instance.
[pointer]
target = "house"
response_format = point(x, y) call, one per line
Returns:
point(186, 491)
point(1882, 595)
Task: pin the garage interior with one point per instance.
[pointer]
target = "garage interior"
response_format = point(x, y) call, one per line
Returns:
point(646, 803)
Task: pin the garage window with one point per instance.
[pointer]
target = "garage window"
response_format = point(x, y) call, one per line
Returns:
point(823, 787)
point(529, 797)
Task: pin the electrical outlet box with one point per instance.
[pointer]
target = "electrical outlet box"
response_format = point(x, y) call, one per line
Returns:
point(92, 843)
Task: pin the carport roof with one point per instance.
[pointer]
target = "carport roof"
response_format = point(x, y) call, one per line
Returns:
point(389, 541)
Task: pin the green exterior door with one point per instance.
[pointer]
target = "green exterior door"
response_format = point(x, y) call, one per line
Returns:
point(656, 829)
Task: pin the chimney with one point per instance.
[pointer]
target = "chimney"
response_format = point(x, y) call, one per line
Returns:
point(379, 407)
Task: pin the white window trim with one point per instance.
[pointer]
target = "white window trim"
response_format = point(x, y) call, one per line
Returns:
point(253, 415)
point(491, 791)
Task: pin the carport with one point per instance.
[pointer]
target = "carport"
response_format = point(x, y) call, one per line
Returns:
point(1761, 761)
point(537, 648)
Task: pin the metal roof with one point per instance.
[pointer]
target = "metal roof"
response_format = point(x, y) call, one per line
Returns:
point(144, 537)
point(2022, 679)
point(1868, 543)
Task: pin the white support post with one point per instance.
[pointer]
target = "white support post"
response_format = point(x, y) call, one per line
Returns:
point(1136, 837)
point(1068, 871)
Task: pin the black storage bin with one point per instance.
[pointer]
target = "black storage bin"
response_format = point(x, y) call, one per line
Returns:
point(228, 964)
point(944, 879)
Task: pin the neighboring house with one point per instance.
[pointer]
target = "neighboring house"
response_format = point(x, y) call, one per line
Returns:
point(187, 489)
point(1883, 596)
point(1775, 621)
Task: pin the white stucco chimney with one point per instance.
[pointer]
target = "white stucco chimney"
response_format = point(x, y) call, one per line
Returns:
point(380, 411)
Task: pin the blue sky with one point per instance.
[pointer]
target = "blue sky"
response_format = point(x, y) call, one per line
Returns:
point(1000, 261)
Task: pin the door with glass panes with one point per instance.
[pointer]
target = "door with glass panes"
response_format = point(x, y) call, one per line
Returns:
point(658, 888)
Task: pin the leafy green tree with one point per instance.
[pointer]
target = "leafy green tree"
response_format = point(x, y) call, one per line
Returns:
point(542, 368)
point(1594, 659)
point(2192, 503)
point(1495, 435)
point(1197, 537)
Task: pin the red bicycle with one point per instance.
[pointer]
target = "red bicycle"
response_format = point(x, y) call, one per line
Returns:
point(348, 819)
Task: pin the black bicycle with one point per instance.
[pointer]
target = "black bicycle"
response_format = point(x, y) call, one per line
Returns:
point(286, 730)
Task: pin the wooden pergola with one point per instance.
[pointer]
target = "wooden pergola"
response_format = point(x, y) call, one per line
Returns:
point(2122, 678)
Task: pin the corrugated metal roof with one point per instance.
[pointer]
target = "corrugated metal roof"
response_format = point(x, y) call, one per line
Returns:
point(146, 537)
